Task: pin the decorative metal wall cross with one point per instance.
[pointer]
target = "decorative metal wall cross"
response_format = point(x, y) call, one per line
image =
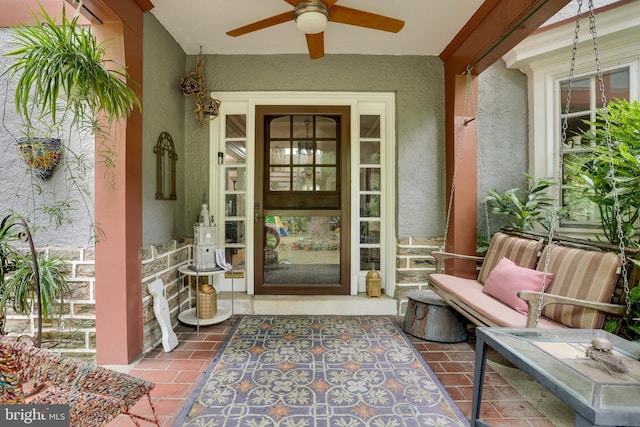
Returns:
point(194, 84)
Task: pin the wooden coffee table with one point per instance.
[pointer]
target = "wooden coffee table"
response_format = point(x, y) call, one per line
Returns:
point(556, 359)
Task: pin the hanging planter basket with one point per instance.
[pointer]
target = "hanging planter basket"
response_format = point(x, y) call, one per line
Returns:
point(41, 154)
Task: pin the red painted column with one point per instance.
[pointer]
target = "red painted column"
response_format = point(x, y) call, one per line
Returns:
point(118, 204)
point(118, 189)
point(461, 157)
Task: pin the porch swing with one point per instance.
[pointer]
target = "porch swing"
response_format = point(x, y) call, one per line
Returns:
point(531, 279)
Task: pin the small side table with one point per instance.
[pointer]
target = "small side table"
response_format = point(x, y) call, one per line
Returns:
point(430, 318)
point(189, 316)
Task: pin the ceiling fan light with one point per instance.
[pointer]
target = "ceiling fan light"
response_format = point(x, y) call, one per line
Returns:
point(311, 22)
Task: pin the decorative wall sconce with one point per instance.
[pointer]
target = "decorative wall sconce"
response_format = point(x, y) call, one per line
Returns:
point(194, 84)
point(41, 154)
point(165, 167)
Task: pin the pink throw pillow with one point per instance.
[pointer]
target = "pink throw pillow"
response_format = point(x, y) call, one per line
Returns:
point(506, 279)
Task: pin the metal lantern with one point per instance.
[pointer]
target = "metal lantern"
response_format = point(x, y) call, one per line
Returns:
point(374, 284)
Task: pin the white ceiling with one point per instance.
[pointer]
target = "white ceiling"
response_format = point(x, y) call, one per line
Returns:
point(429, 26)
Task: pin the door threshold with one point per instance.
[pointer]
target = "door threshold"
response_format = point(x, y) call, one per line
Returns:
point(324, 305)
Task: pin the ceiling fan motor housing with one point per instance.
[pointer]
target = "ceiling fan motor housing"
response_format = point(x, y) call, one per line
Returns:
point(311, 16)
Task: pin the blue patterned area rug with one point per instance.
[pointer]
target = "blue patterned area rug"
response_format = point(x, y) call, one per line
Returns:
point(319, 371)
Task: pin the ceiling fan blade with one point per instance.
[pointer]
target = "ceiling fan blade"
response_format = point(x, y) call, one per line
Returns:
point(264, 23)
point(346, 15)
point(315, 43)
point(293, 2)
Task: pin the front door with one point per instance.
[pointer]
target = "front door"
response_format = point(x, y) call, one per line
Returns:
point(302, 200)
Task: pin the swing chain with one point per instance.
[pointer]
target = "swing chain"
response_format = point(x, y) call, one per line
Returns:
point(607, 132)
point(563, 138)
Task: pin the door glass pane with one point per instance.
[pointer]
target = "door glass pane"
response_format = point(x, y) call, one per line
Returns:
point(303, 152)
point(302, 126)
point(236, 126)
point(234, 232)
point(303, 179)
point(326, 179)
point(279, 152)
point(235, 152)
point(234, 205)
point(370, 179)
point(280, 127)
point(369, 126)
point(235, 179)
point(237, 257)
point(302, 250)
point(370, 153)
point(325, 127)
point(369, 231)
point(280, 179)
point(369, 258)
point(326, 153)
point(370, 206)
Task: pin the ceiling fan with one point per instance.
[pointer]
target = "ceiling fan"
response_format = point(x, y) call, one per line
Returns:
point(311, 18)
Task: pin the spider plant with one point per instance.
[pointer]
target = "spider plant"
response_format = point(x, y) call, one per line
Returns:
point(53, 59)
point(7, 251)
point(20, 280)
point(64, 80)
point(19, 286)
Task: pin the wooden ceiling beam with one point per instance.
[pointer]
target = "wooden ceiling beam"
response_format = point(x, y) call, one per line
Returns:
point(124, 10)
point(495, 28)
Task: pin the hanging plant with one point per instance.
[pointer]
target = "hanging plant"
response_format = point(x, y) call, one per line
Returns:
point(41, 154)
point(64, 80)
point(52, 60)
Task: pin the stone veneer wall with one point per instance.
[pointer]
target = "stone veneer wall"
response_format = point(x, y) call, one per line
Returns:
point(161, 261)
point(414, 263)
point(74, 333)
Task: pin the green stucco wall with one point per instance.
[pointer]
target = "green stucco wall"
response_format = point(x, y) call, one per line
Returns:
point(163, 110)
point(417, 82)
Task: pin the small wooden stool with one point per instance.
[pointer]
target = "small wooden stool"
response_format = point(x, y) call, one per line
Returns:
point(430, 318)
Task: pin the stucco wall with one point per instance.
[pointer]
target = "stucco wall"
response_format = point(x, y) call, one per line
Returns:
point(25, 194)
point(163, 109)
point(417, 82)
point(502, 135)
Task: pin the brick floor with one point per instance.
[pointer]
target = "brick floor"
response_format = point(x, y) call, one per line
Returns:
point(177, 372)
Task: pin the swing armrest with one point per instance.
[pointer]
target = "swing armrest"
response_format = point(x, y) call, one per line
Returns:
point(533, 301)
point(441, 257)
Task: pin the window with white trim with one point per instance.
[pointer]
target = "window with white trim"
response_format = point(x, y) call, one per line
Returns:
point(545, 57)
point(585, 100)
